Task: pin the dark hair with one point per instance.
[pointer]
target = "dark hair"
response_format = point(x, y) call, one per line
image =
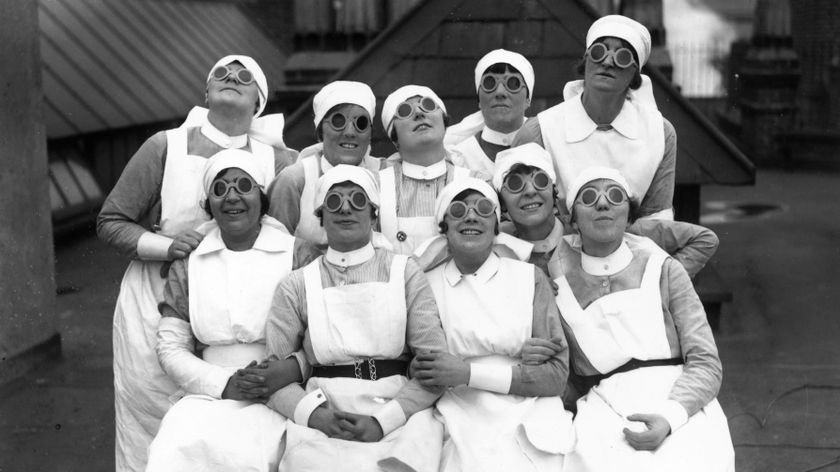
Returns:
point(263, 205)
point(635, 82)
point(502, 68)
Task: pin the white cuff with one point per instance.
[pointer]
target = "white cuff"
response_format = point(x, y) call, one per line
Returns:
point(307, 405)
point(667, 214)
point(153, 247)
point(493, 378)
point(390, 417)
point(674, 413)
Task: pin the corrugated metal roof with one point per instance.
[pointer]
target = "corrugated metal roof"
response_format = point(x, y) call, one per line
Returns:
point(115, 63)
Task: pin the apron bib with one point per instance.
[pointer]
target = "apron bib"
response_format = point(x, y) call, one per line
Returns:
point(405, 233)
point(473, 156)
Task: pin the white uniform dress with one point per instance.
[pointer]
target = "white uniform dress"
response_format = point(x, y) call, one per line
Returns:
point(608, 333)
point(230, 293)
point(487, 316)
point(141, 388)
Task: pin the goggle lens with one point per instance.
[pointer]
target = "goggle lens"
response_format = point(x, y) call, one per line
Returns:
point(484, 207)
point(243, 185)
point(334, 201)
point(622, 57)
point(615, 196)
point(512, 83)
point(515, 183)
point(338, 122)
point(243, 76)
point(406, 109)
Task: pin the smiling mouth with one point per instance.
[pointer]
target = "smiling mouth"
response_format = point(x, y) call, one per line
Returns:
point(348, 145)
point(470, 232)
point(531, 206)
point(422, 126)
point(233, 212)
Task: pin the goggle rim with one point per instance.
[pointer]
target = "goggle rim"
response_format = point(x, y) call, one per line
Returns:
point(532, 177)
point(414, 105)
point(613, 54)
point(355, 121)
point(504, 83)
point(236, 73)
point(346, 198)
point(474, 206)
point(232, 185)
point(605, 193)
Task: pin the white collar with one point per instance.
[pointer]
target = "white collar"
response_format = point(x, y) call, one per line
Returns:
point(579, 124)
point(273, 237)
point(325, 164)
point(351, 258)
point(608, 265)
point(430, 172)
point(482, 275)
point(549, 243)
point(217, 136)
point(495, 137)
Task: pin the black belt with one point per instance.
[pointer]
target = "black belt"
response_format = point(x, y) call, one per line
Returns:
point(590, 381)
point(368, 369)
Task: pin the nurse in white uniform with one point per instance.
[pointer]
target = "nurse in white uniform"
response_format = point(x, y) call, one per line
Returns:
point(414, 117)
point(218, 298)
point(151, 216)
point(344, 111)
point(499, 414)
point(610, 119)
point(504, 82)
point(358, 314)
point(638, 336)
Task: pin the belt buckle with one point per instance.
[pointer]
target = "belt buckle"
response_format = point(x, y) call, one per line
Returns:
point(371, 368)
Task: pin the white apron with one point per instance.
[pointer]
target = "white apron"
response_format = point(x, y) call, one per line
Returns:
point(489, 431)
point(230, 296)
point(141, 388)
point(347, 323)
point(405, 233)
point(611, 331)
point(473, 157)
point(636, 158)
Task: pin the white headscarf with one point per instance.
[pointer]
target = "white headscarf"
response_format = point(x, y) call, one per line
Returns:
point(343, 91)
point(250, 64)
point(233, 158)
point(503, 56)
point(530, 154)
point(618, 26)
point(451, 190)
point(389, 108)
point(595, 173)
point(346, 173)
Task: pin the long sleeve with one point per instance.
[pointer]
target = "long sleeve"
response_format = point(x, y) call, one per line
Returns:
point(176, 298)
point(691, 245)
point(283, 158)
point(702, 372)
point(284, 196)
point(132, 207)
point(529, 133)
point(176, 353)
point(660, 194)
point(549, 378)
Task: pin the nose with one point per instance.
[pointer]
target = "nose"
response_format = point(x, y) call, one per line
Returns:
point(345, 207)
point(609, 60)
point(232, 195)
point(602, 203)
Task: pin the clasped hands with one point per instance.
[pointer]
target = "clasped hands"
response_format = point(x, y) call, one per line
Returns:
point(259, 380)
point(343, 425)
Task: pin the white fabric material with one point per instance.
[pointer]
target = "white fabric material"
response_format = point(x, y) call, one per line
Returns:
point(350, 258)
point(674, 413)
point(309, 226)
point(493, 378)
point(267, 129)
point(619, 26)
point(390, 417)
point(503, 56)
point(452, 189)
point(239, 159)
point(389, 108)
point(250, 64)
point(181, 190)
point(487, 430)
point(463, 130)
point(340, 92)
point(429, 172)
point(607, 265)
point(153, 247)
point(529, 154)
point(307, 405)
point(642, 96)
point(344, 173)
point(570, 136)
point(217, 136)
point(495, 137)
point(468, 153)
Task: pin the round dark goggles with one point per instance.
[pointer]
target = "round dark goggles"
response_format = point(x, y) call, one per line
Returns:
point(483, 207)
point(407, 109)
point(515, 182)
point(512, 83)
point(243, 76)
point(334, 201)
point(590, 196)
point(338, 121)
point(621, 57)
point(243, 185)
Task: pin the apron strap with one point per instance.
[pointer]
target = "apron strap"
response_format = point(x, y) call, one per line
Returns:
point(388, 203)
point(315, 305)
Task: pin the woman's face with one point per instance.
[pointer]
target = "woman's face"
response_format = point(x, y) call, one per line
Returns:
point(473, 234)
point(228, 92)
point(237, 214)
point(421, 128)
point(602, 222)
point(346, 145)
point(605, 76)
point(348, 228)
point(531, 206)
point(503, 110)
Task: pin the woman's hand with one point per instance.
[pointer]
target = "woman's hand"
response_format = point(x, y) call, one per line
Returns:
point(440, 369)
point(269, 376)
point(536, 351)
point(184, 243)
point(232, 391)
point(657, 430)
point(327, 421)
point(363, 428)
